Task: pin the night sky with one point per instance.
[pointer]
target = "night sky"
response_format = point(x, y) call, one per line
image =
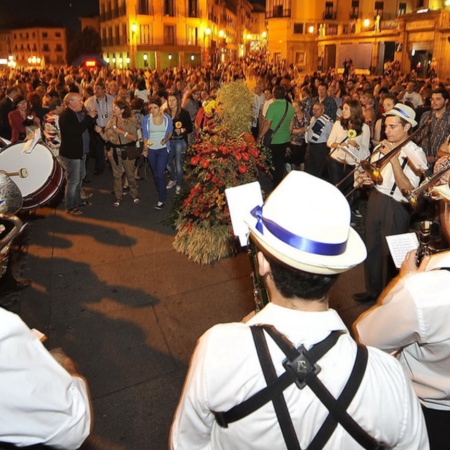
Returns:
point(58, 12)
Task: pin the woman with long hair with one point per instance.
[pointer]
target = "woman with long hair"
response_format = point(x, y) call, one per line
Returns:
point(20, 118)
point(182, 126)
point(349, 136)
point(157, 130)
point(121, 134)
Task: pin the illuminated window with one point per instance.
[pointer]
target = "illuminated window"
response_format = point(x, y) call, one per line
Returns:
point(169, 8)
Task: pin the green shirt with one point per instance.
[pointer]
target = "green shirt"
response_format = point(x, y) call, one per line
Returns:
point(274, 113)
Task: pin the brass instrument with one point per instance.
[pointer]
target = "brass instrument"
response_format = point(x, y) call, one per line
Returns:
point(428, 183)
point(260, 294)
point(425, 249)
point(374, 169)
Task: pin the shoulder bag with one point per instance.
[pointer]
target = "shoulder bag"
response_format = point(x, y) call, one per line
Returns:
point(268, 136)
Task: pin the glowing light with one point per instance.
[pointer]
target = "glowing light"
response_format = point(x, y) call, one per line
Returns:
point(170, 56)
point(264, 33)
point(134, 28)
point(208, 31)
point(145, 56)
point(311, 29)
point(366, 22)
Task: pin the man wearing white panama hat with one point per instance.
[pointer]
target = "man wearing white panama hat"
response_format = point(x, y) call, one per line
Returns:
point(304, 242)
point(388, 211)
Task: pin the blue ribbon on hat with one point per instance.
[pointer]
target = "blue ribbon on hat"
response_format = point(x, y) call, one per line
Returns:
point(403, 113)
point(298, 242)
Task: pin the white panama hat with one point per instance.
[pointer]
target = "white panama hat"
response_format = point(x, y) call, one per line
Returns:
point(405, 112)
point(305, 223)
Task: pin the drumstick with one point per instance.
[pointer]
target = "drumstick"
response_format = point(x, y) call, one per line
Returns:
point(22, 173)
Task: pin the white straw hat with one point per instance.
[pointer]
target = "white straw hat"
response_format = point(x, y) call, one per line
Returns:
point(305, 223)
point(405, 112)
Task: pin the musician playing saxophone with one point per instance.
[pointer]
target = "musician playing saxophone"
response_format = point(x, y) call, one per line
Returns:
point(388, 211)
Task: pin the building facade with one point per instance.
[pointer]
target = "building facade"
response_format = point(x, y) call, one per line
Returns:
point(318, 35)
point(33, 47)
point(169, 33)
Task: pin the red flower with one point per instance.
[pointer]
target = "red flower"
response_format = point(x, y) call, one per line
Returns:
point(242, 168)
point(238, 157)
point(253, 151)
point(205, 163)
point(195, 160)
point(245, 156)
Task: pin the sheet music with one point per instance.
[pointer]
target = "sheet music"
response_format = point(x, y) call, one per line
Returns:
point(30, 144)
point(401, 244)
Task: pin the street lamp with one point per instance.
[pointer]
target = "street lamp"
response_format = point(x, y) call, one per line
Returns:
point(145, 60)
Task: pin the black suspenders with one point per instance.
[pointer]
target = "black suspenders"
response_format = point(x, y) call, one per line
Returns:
point(301, 369)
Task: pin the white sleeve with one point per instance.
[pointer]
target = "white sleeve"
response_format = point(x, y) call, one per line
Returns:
point(193, 419)
point(41, 401)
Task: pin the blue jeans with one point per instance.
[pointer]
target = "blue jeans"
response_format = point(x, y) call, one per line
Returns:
point(74, 171)
point(158, 162)
point(176, 150)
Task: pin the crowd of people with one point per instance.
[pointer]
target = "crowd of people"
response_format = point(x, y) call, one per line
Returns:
point(338, 135)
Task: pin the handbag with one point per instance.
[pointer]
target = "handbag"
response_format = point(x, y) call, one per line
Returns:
point(130, 150)
point(268, 136)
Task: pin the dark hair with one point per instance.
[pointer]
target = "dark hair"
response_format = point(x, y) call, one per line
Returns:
point(442, 91)
point(18, 99)
point(54, 103)
point(122, 104)
point(296, 283)
point(279, 92)
point(137, 103)
point(154, 99)
point(356, 119)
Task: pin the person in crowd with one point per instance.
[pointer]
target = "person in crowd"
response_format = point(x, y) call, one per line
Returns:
point(191, 104)
point(297, 146)
point(411, 95)
point(120, 135)
point(21, 118)
point(278, 119)
point(330, 107)
point(258, 101)
point(74, 126)
point(435, 124)
point(234, 365)
point(349, 141)
point(182, 127)
point(44, 398)
point(369, 112)
point(379, 133)
point(268, 96)
point(52, 133)
point(102, 103)
point(36, 107)
point(113, 88)
point(141, 90)
point(388, 209)
point(410, 320)
point(157, 130)
point(316, 137)
point(6, 106)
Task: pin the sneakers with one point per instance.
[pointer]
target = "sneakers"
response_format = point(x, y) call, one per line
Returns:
point(357, 213)
point(171, 184)
point(116, 204)
point(136, 200)
point(160, 205)
point(74, 212)
point(177, 190)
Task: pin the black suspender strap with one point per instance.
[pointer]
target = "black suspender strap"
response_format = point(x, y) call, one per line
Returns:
point(405, 161)
point(302, 369)
point(265, 395)
point(279, 402)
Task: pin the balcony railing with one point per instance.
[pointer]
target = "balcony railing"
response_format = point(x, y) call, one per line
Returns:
point(278, 13)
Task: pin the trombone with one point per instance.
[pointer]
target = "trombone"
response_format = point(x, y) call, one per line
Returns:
point(373, 169)
point(428, 183)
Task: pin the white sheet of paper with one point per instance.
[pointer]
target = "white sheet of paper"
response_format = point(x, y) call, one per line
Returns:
point(30, 144)
point(241, 200)
point(400, 244)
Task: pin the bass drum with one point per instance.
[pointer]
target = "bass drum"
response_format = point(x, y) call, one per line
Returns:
point(38, 174)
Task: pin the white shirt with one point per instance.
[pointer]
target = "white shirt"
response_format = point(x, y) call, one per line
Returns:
point(225, 371)
point(388, 173)
point(103, 106)
point(40, 402)
point(338, 134)
point(414, 320)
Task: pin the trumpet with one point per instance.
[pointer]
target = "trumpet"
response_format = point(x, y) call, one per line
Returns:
point(425, 186)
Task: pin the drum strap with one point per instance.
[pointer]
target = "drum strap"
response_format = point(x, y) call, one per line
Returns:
point(302, 369)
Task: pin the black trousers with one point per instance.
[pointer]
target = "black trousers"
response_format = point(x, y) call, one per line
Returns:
point(278, 152)
point(385, 216)
point(437, 422)
point(315, 162)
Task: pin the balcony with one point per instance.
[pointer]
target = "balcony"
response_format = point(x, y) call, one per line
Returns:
point(278, 12)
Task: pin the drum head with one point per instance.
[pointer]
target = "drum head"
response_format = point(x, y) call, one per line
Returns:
point(38, 164)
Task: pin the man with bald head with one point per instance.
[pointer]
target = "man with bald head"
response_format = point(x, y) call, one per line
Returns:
point(74, 126)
